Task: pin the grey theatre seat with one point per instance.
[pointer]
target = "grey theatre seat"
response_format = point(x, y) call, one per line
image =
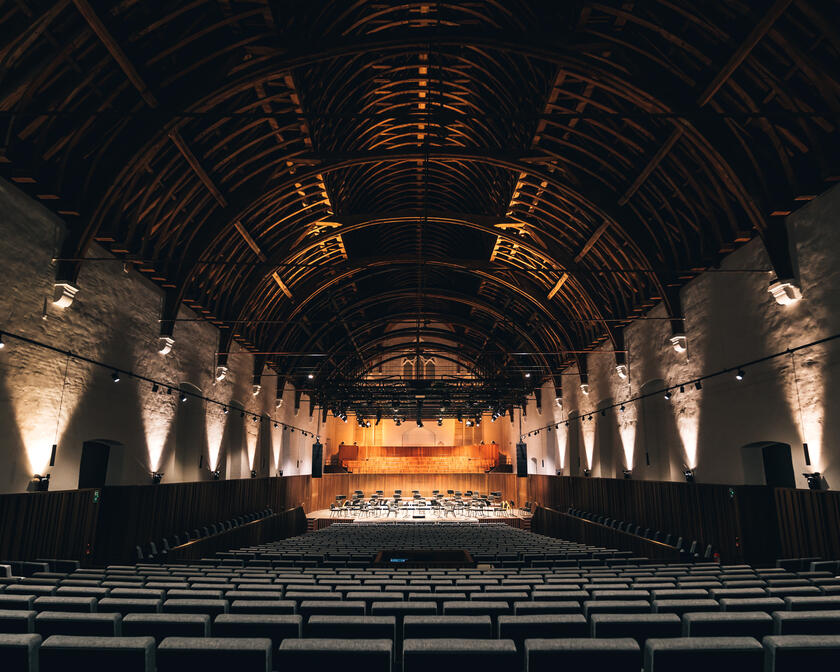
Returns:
point(808, 603)
point(64, 603)
point(818, 622)
point(525, 608)
point(425, 627)
point(122, 605)
point(520, 628)
point(17, 621)
point(214, 654)
point(727, 624)
point(209, 607)
point(684, 606)
point(638, 626)
point(767, 604)
point(49, 623)
point(701, 654)
point(370, 655)
point(456, 655)
point(161, 626)
point(551, 655)
point(278, 607)
point(793, 653)
point(275, 627)
point(351, 627)
point(61, 653)
point(19, 652)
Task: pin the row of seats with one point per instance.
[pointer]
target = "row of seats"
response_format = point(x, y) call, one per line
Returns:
point(692, 549)
point(29, 653)
point(154, 550)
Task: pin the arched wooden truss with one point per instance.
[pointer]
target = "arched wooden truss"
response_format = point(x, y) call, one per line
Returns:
point(534, 174)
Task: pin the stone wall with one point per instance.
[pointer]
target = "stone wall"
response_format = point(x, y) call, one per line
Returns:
point(49, 398)
point(718, 431)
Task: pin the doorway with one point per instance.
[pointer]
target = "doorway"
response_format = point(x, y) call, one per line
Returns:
point(768, 463)
point(93, 468)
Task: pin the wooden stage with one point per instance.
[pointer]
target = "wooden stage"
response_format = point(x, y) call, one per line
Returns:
point(322, 518)
point(315, 494)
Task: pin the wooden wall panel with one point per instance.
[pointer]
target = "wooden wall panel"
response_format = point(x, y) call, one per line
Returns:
point(60, 524)
point(131, 515)
point(809, 523)
point(563, 526)
point(324, 490)
point(278, 526)
point(711, 514)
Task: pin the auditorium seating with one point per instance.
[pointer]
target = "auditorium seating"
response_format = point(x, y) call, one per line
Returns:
point(528, 602)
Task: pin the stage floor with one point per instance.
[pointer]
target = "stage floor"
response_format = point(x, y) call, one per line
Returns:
point(323, 518)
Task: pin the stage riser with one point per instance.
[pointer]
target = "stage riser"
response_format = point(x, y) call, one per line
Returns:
point(322, 491)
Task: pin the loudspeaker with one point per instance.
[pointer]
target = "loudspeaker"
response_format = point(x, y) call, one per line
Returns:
point(317, 460)
point(521, 460)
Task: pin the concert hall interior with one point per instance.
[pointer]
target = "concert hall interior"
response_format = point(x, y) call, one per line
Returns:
point(392, 333)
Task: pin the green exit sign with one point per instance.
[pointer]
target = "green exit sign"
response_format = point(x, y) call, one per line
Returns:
point(96, 496)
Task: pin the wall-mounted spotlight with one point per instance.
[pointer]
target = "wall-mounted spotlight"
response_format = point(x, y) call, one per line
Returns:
point(559, 402)
point(253, 473)
point(682, 389)
point(221, 373)
point(628, 474)
point(310, 376)
point(621, 370)
point(688, 474)
point(215, 475)
point(157, 477)
point(155, 388)
point(165, 344)
point(254, 418)
point(255, 390)
point(115, 376)
point(740, 374)
point(785, 292)
point(587, 473)
point(622, 408)
point(679, 343)
point(440, 422)
point(183, 397)
point(667, 394)
point(2, 344)
point(42, 483)
point(698, 385)
point(419, 422)
point(241, 414)
point(225, 410)
point(397, 421)
point(584, 387)
point(814, 480)
point(527, 374)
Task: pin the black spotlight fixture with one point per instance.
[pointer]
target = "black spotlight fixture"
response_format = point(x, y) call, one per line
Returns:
point(42, 483)
point(814, 480)
point(667, 394)
point(440, 422)
point(253, 473)
point(183, 397)
point(115, 376)
point(628, 474)
point(225, 410)
point(397, 421)
point(622, 408)
point(698, 385)
point(587, 473)
point(215, 474)
point(682, 389)
point(419, 422)
point(241, 414)
point(155, 387)
point(688, 473)
point(157, 477)
point(740, 374)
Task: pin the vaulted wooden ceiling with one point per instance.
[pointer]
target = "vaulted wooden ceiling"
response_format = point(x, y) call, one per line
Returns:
point(533, 173)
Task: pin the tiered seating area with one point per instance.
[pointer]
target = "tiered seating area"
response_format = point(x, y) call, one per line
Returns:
point(532, 603)
point(418, 459)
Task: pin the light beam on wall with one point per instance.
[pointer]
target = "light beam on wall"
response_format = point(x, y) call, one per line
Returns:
point(215, 425)
point(156, 429)
point(627, 432)
point(588, 430)
point(251, 441)
point(688, 427)
point(562, 440)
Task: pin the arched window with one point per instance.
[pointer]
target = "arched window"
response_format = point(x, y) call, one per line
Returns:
point(408, 369)
point(430, 370)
